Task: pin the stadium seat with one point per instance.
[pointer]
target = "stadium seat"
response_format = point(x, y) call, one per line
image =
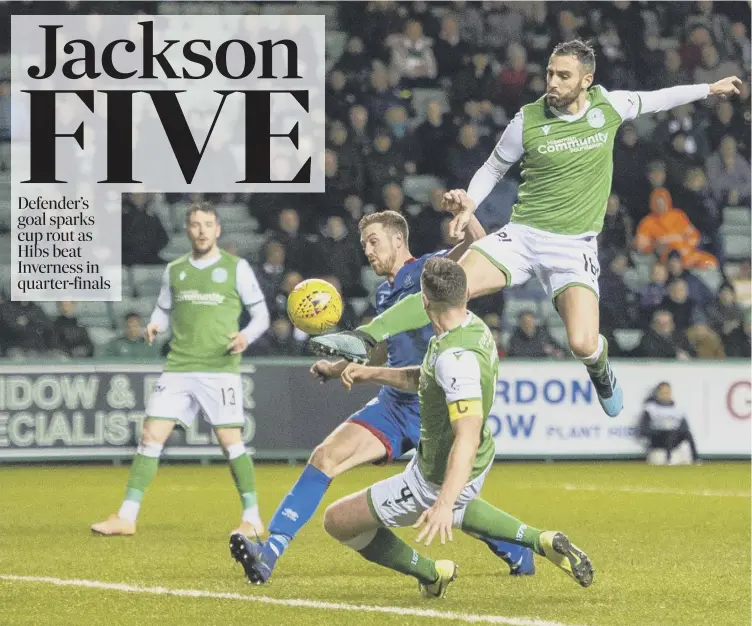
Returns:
point(737, 217)
point(559, 335)
point(712, 278)
point(531, 290)
point(5, 279)
point(335, 46)
point(628, 338)
point(100, 335)
point(177, 246)
point(147, 279)
point(420, 187)
point(142, 306)
point(737, 246)
point(548, 314)
point(5, 248)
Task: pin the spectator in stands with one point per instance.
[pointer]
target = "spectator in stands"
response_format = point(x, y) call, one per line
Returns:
point(403, 140)
point(471, 23)
point(570, 26)
point(512, 79)
point(699, 293)
point(343, 256)
point(280, 340)
point(475, 82)
point(299, 249)
point(412, 56)
point(705, 343)
point(504, 23)
point(70, 337)
point(650, 69)
point(25, 330)
point(681, 155)
point(450, 51)
point(616, 302)
point(668, 228)
point(380, 97)
point(349, 157)
point(340, 98)
point(433, 136)
point(741, 48)
point(4, 111)
point(702, 209)
point(631, 158)
point(662, 341)
point(664, 428)
point(687, 121)
point(673, 73)
point(531, 341)
point(143, 233)
point(132, 343)
point(354, 63)
point(728, 120)
point(360, 129)
point(425, 228)
point(736, 338)
point(717, 24)
point(677, 303)
point(728, 174)
point(691, 50)
point(724, 308)
point(384, 164)
point(465, 158)
point(535, 87)
point(272, 269)
point(617, 232)
point(713, 68)
point(742, 284)
point(422, 12)
point(652, 295)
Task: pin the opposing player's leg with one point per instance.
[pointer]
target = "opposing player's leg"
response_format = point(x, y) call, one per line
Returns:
point(365, 438)
point(244, 477)
point(482, 519)
point(221, 398)
point(143, 469)
point(578, 307)
point(491, 264)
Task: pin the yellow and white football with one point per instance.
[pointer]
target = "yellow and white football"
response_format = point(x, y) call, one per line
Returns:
point(314, 306)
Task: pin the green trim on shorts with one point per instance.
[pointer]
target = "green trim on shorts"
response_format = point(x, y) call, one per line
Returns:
point(228, 426)
point(178, 421)
point(499, 266)
point(372, 508)
point(561, 290)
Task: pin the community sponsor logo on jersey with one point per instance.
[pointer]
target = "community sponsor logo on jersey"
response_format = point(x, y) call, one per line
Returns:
point(595, 118)
point(574, 144)
point(219, 275)
point(197, 297)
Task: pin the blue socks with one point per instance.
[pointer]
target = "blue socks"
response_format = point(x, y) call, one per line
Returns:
point(294, 512)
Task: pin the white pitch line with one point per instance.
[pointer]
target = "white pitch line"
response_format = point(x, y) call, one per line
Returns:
point(708, 493)
point(310, 604)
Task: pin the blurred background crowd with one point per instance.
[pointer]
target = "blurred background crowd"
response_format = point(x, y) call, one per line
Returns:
point(417, 95)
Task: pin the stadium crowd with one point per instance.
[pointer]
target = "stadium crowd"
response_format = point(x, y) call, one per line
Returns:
point(417, 95)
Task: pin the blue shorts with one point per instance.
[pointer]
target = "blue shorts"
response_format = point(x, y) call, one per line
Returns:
point(395, 424)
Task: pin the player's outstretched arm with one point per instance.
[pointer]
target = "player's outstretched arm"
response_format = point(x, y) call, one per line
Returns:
point(473, 232)
point(402, 378)
point(631, 104)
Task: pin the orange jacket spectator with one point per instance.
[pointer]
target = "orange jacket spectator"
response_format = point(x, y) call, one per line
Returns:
point(668, 228)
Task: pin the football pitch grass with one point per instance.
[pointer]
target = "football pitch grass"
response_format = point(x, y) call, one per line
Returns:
point(671, 545)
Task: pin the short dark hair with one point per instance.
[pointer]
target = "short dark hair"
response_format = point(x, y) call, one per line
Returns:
point(131, 315)
point(204, 207)
point(388, 219)
point(444, 282)
point(583, 50)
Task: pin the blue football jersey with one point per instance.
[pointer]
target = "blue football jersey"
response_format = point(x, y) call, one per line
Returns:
point(406, 348)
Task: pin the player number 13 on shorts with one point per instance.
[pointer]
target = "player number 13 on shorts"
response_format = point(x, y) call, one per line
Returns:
point(228, 396)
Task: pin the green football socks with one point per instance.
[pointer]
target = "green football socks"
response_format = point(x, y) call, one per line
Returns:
point(407, 314)
point(485, 521)
point(388, 550)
